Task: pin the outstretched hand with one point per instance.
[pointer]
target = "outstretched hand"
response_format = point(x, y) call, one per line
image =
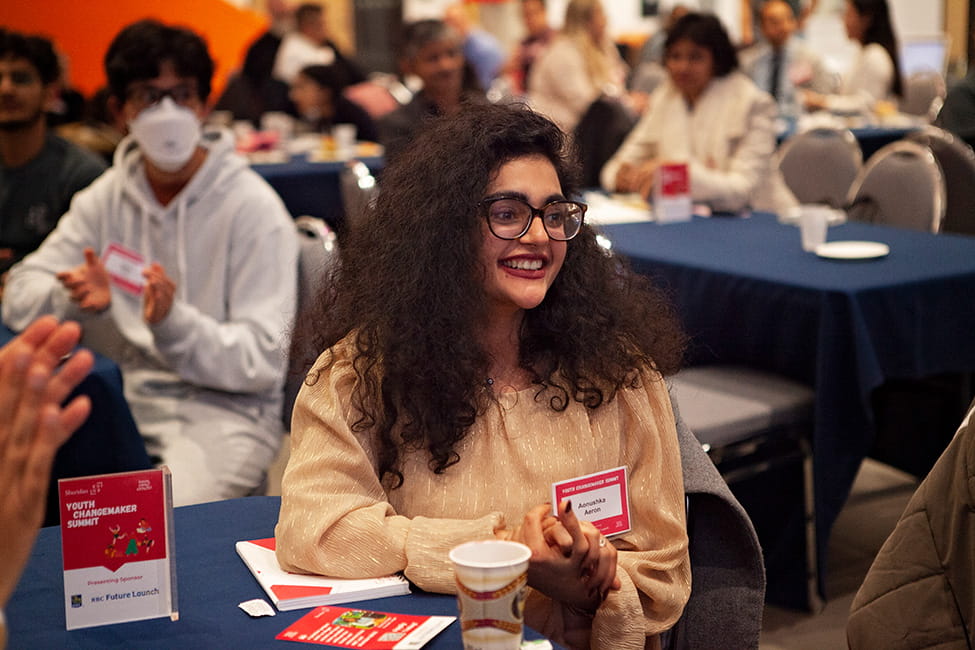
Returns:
point(88, 284)
point(34, 425)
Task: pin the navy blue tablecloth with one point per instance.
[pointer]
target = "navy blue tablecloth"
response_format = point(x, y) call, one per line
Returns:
point(748, 294)
point(311, 188)
point(211, 581)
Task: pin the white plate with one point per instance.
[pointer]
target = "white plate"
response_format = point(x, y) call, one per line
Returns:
point(852, 250)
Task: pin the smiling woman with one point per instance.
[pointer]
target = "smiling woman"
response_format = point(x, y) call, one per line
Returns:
point(474, 356)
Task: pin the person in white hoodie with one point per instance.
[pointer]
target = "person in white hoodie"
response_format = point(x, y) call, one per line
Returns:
point(180, 263)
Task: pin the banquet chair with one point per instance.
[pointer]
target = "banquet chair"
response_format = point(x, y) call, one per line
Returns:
point(755, 425)
point(957, 161)
point(819, 165)
point(318, 255)
point(901, 185)
point(924, 93)
point(727, 574)
point(358, 188)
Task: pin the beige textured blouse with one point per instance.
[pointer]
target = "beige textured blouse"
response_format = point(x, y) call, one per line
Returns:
point(337, 519)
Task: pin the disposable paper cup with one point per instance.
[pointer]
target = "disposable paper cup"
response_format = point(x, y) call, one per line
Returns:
point(492, 577)
point(344, 137)
point(813, 222)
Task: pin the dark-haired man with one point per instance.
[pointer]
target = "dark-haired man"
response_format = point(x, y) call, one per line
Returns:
point(180, 263)
point(781, 63)
point(39, 172)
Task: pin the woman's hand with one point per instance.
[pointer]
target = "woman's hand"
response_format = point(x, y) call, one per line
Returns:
point(812, 100)
point(571, 561)
point(637, 177)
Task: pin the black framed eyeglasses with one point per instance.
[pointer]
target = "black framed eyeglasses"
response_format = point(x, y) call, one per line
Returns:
point(509, 217)
point(147, 95)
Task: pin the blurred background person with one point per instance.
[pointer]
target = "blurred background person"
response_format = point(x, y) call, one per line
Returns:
point(781, 62)
point(309, 44)
point(711, 116)
point(39, 171)
point(751, 17)
point(481, 50)
point(581, 65)
point(318, 99)
point(649, 72)
point(254, 90)
point(874, 75)
point(539, 35)
point(430, 50)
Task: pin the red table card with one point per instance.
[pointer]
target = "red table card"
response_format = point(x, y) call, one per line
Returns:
point(116, 546)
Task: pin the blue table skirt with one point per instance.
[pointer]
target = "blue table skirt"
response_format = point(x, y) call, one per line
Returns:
point(748, 294)
point(211, 581)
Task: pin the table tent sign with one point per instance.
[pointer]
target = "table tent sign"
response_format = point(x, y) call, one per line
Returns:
point(117, 548)
point(672, 193)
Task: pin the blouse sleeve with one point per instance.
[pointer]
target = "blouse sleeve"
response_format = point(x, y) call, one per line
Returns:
point(335, 519)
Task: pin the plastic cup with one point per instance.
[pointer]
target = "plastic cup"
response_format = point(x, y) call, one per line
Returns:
point(344, 137)
point(492, 577)
point(813, 223)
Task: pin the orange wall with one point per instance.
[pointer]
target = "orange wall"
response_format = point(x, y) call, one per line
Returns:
point(83, 29)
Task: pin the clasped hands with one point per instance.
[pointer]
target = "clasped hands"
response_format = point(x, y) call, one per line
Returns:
point(571, 561)
point(88, 286)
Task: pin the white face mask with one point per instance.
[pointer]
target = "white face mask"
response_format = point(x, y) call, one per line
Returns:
point(167, 134)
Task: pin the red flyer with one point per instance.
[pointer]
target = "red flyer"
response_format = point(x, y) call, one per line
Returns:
point(672, 193)
point(116, 545)
point(601, 498)
point(343, 627)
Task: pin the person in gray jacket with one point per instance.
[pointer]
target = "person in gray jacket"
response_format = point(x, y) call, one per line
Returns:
point(180, 263)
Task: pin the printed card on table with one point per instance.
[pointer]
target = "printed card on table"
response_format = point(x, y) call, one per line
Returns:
point(601, 498)
point(116, 545)
point(344, 627)
point(672, 193)
point(124, 267)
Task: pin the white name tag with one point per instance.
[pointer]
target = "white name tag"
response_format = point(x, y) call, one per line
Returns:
point(124, 267)
point(601, 498)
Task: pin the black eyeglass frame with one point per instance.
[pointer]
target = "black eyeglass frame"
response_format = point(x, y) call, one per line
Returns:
point(485, 204)
point(145, 95)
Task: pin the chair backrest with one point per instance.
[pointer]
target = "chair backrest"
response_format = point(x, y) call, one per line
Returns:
point(598, 135)
point(903, 186)
point(957, 161)
point(317, 257)
point(727, 573)
point(924, 93)
point(359, 190)
point(819, 165)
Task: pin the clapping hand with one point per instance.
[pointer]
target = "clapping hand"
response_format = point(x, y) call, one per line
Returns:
point(34, 425)
point(88, 284)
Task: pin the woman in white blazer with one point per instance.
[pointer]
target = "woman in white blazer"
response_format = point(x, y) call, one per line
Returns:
point(711, 116)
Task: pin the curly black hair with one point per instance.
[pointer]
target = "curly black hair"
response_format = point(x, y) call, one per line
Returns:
point(138, 50)
point(409, 291)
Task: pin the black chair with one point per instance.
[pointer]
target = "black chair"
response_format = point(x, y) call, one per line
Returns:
point(598, 135)
point(957, 161)
point(756, 427)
